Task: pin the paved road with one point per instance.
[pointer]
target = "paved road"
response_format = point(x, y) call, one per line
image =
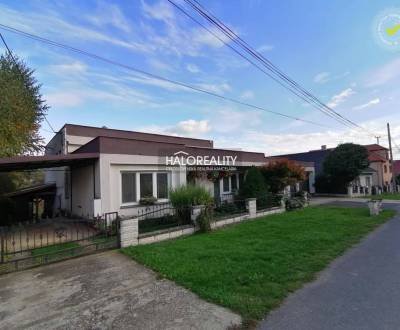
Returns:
point(102, 291)
point(360, 290)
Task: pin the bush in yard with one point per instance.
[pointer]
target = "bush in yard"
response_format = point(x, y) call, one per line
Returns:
point(282, 173)
point(189, 195)
point(254, 185)
point(183, 197)
point(7, 211)
point(204, 220)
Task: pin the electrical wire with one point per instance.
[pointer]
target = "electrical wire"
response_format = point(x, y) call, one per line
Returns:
point(150, 75)
point(311, 99)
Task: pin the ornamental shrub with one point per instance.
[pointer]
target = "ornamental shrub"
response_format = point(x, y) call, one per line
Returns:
point(254, 185)
point(189, 195)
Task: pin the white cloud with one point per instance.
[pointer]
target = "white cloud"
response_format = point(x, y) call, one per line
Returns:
point(368, 104)
point(321, 77)
point(193, 68)
point(159, 65)
point(75, 67)
point(247, 95)
point(49, 23)
point(63, 99)
point(215, 88)
point(340, 98)
point(324, 77)
point(265, 48)
point(192, 127)
point(109, 14)
point(384, 74)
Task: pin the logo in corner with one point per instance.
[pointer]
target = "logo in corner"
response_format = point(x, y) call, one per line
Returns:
point(387, 29)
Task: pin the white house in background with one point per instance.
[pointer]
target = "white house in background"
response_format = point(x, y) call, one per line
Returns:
point(101, 170)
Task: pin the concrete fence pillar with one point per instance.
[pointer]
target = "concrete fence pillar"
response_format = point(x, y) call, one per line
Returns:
point(195, 212)
point(350, 191)
point(251, 206)
point(129, 232)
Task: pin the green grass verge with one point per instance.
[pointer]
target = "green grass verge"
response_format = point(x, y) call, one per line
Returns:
point(390, 196)
point(251, 267)
point(54, 248)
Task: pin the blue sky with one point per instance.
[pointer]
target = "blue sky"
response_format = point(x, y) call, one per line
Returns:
point(331, 48)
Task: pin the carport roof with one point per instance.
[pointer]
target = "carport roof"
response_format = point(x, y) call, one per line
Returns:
point(33, 162)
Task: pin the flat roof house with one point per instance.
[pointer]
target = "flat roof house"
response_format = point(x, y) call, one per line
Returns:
point(101, 170)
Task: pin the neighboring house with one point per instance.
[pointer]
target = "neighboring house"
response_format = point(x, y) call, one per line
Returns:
point(101, 170)
point(396, 168)
point(379, 167)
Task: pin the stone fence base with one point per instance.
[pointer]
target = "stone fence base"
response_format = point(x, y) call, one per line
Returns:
point(129, 229)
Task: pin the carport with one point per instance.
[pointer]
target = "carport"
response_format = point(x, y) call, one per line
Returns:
point(48, 193)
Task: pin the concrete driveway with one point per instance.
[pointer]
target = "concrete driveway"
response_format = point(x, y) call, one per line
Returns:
point(360, 290)
point(103, 291)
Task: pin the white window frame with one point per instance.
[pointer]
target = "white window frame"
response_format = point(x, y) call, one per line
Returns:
point(137, 181)
point(221, 185)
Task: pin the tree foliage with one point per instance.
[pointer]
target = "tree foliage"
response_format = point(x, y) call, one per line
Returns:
point(281, 173)
point(22, 108)
point(344, 164)
point(254, 185)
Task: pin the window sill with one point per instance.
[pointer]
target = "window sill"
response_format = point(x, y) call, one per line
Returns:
point(136, 205)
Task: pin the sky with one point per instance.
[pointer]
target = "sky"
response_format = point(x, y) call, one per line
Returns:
point(332, 48)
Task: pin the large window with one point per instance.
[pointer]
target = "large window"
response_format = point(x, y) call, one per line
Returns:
point(146, 185)
point(128, 187)
point(162, 185)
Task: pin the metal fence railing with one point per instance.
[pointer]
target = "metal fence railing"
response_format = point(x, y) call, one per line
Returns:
point(161, 218)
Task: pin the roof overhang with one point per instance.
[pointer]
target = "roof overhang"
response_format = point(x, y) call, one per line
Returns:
point(47, 161)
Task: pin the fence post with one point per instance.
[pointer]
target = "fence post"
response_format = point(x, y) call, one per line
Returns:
point(251, 206)
point(2, 247)
point(194, 214)
point(129, 232)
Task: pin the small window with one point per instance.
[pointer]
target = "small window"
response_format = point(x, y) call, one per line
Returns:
point(234, 182)
point(146, 185)
point(128, 187)
point(162, 185)
point(225, 183)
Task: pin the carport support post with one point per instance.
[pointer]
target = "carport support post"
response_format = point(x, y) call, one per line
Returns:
point(251, 206)
point(129, 232)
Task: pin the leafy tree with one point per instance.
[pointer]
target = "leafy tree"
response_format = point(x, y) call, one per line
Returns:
point(281, 173)
point(344, 164)
point(254, 185)
point(22, 108)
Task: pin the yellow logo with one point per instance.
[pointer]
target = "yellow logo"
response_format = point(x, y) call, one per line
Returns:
point(392, 31)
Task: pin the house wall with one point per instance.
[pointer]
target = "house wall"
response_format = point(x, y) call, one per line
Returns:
point(82, 188)
point(58, 175)
point(110, 179)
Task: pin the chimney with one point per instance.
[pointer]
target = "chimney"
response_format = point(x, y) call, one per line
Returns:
point(323, 147)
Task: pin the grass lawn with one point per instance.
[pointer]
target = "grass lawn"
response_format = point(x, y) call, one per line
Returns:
point(54, 248)
point(251, 267)
point(392, 196)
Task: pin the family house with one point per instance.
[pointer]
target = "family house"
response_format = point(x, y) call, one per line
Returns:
point(377, 175)
point(101, 170)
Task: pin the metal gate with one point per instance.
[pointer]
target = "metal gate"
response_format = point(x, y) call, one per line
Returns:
point(32, 245)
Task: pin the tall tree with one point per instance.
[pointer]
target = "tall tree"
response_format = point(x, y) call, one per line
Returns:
point(22, 108)
point(345, 163)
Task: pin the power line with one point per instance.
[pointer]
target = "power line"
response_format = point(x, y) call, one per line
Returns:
point(311, 99)
point(151, 75)
point(253, 63)
point(17, 66)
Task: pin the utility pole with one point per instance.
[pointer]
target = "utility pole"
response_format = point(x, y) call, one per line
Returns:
point(391, 158)
point(377, 139)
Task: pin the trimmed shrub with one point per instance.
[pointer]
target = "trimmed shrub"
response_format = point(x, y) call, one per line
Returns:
point(189, 195)
point(204, 220)
point(254, 185)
